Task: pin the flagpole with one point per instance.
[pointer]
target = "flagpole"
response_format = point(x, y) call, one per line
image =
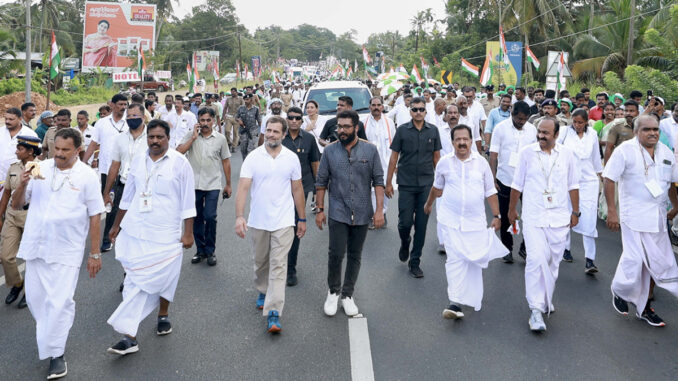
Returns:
point(49, 85)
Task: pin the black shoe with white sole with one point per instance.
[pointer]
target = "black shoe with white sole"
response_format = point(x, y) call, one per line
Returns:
point(567, 256)
point(590, 267)
point(620, 305)
point(652, 318)
point(164, 326)
point(453, 312)
point(57, 368)
point(124, 347)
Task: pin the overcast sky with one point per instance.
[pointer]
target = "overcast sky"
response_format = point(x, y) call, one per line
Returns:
point(365, 16)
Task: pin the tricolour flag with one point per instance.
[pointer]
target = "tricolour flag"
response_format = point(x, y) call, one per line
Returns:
point(237, 69)
point(141, 62)
point(366, 56)
point(415, 74)
point(469, 68)
point(215, 68)
point(532, 58)
point(560, 84)
point(349, 72)
point(54, 58)
point(370, 69)
point(435, 62)
point(191, 77)
point(502, 45)
point(402, 69)
point(486, 75)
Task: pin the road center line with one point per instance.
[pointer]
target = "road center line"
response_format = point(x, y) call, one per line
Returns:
point(361, 353)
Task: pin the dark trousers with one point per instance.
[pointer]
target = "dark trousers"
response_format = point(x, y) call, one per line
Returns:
point(294, 250)
point(205, 222)
point(411, 202)
point(117, 188)
point(504, 195)
point(344, 239)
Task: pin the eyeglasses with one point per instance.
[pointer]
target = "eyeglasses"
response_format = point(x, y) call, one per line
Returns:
point(418, 109)
point(293, 117)
point(344, 126)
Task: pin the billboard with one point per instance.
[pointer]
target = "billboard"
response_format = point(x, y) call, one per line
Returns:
point(256, 66)
point(113, 33)
point(206, 60)
point(507, 74)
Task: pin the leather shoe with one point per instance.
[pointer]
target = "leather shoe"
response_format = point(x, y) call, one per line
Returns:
point(22, 302)
point(404, 253)
point(211, 260)
point(197, 258)
point(13, 294)
point(292, 280)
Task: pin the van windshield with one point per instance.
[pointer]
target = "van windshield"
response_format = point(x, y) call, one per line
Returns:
point(327, 99)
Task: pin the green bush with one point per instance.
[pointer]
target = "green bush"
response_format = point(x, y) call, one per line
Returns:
point(82, 96)
point(13, 85)
point(642, 79)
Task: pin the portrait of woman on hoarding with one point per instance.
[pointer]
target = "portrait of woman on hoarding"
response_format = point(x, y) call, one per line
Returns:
point(100, 49)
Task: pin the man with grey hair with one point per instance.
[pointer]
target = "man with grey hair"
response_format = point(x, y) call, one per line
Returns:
point(275, 109)
point(645, 171)
point(473, 122)
point(437, 117)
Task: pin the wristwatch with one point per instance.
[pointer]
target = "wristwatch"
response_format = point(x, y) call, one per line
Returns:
point(577, 214)
point(95, 255)
point(498, 216)
point(320, 209)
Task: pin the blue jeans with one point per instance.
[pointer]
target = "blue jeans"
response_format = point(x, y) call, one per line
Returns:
point(205, 223)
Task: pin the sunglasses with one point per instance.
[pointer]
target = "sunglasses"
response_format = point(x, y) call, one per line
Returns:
point(294, 118)
point(418, 109)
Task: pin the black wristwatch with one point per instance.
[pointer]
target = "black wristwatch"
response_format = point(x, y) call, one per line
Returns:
point(577, 214)
point(320, 209)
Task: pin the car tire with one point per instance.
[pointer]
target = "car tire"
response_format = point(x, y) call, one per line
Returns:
point(161, 89)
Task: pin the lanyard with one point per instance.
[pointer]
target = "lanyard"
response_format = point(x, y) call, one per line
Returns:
point(518, 135)
point(116, 127)
point(156, 167)
point(547, 177)
point(67, 177)
point(647, 166)
point(132, 147)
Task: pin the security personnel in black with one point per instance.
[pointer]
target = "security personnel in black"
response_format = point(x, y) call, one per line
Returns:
point(329, 132)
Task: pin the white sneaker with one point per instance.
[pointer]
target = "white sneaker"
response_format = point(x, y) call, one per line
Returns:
point(331, 304)
point(537, 321)
point(348, 304)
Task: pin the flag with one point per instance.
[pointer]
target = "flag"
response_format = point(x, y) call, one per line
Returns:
point(370, 69)
point(349, 72)
point(402, 69)
point(415, 74)
point(435, 62)
point(531, 57)
point(215, 68)
point(560, 84)
point(54, 58)
point(191, 77)
point(469, 68)
point(366, 56)
point(237, 69)
point(424, 66)
point(355, 64)
point(141, 62)
point(335, 73)
point(502, 45)
point(486, 75)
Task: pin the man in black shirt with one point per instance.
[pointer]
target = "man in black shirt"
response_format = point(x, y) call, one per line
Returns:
point(329, 132)
point(416, 151)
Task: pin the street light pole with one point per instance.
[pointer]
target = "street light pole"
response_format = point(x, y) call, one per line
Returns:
point(28, 51)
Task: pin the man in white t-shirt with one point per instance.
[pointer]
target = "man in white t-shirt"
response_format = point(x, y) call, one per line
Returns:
point(273, 173)
point(181, 123)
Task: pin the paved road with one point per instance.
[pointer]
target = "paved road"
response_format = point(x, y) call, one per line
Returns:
point(218, 334)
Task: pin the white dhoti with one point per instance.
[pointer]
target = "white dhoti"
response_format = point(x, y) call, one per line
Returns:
point(645, 256)
point(587, 226)
point(49, 294)
point(468, 253)
point(152, 272)
point(544, 252)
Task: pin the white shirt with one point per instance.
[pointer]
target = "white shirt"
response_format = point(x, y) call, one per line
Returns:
point(465, 184)
point(474, 123)
point(163, 111)
point(126, 149)
point(670, 128)
point(638, 209)
point(477, 112)
point(57, 224)
point(380, 133)
point(319, 125)
point(105, 133)
point(430, 109)
point(445, 132)
point(8, 148)
point(538, 172)
point(272, 204)
point(180, 125)
point(586, 150)
point(283, 115)
point(170, 183)
point(506, 141)
point(400, 114)
point(435, 119)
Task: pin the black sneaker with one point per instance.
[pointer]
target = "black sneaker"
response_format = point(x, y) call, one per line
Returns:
point(22, 303)
point(57, 368)
point(590, 267)
point(522, 251)
point(453, 312)
point(567, 256)
point(124, 347)
point(292, 280)
point(620, 305)
point(404, 253)
point(416, 272)
point(652, 318)
point(164, 326)
point(508, 258)
point(13, 294)
point(197, 258)
point(211, 260)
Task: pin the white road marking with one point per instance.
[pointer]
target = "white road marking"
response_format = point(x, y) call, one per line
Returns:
point(21, 269)
point(361, 353)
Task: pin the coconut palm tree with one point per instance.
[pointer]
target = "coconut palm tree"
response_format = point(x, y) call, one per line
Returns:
point(419, 22)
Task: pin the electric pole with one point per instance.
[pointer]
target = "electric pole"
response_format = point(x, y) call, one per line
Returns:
point(629, 53)
point(28, 52)
point(240, 67)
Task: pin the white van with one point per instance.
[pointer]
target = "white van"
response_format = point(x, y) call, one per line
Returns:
point(327, 94)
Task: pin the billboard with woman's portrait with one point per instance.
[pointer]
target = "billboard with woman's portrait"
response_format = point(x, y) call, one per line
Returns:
point(113, 33)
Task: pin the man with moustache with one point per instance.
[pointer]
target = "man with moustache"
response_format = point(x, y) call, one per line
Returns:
point(380, 132)
point(464, 180)
point(159, 198)
point(63, 120)
point(621, 129)
point(548, 176)
point(209, 155)
point(249, 119)
point(348, 170)
point(63, 208)
point(415, 152)
point(231, 127)
point(437, 117)
point(400, 114)
point(645, 171)
point(9, 134)
point(28, 111)
point(470, 121)
point(496, 116)
point(276, 110)
point(181, 122)
point(82, 119)
point(273, 173)
point(538, 97)
point(329, 133)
